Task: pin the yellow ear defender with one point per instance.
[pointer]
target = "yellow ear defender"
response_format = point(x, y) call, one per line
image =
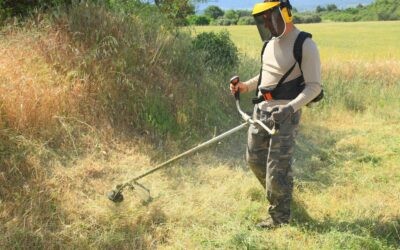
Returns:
point(287, 15)
point(286, 8)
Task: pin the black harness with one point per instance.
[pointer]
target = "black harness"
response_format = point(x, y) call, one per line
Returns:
point(285, 90)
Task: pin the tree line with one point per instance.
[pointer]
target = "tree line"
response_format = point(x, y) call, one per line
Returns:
point(379, 10)
point(183, 13)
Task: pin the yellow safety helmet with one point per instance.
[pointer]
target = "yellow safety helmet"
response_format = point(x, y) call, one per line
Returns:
point(284, 5)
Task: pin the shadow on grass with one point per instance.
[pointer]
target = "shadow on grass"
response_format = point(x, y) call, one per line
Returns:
point(388, 233)
point(315, 155)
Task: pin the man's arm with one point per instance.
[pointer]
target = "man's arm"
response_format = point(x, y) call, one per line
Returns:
point(311, 67)
point(252, 83)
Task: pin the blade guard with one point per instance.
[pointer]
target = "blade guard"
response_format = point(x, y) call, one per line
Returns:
point(115, 196)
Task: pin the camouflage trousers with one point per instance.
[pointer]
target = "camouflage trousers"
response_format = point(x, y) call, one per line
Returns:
point(270, 158)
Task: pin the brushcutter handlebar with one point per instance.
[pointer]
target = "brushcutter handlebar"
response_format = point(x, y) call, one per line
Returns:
point(234, 81)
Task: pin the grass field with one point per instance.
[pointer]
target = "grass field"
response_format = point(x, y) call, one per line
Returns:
point(347, 178)
point(365, 41)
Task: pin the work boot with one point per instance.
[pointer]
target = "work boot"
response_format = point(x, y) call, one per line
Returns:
point(269, 224)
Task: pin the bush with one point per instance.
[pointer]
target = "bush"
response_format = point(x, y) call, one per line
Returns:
point(218, 50)
point(306, 19)
point(246, 20)
point(223, 22)
point(198, 20)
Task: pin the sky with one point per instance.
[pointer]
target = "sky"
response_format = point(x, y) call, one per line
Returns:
point(300, 5)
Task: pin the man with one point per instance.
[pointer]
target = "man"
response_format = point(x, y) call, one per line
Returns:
point(285, 84)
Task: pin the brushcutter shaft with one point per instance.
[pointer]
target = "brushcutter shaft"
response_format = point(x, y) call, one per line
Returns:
point(190, 151)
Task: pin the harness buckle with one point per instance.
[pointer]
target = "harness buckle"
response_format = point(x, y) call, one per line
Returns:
point(267, 96)
point(267, 93)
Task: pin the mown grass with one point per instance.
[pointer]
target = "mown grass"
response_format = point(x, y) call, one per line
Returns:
point(347, 181)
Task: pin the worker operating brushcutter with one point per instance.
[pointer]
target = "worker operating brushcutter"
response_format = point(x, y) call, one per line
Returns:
point(289, 79)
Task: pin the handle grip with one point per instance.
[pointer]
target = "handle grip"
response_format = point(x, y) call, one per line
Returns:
point(235, 80)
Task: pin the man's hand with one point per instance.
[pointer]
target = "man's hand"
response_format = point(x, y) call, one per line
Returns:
point(281, 112)
point(241, 87)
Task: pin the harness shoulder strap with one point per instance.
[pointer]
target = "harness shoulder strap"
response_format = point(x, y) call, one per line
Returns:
point(259, 78)
point(298, 46)
point(297, 53)
point(263, 49)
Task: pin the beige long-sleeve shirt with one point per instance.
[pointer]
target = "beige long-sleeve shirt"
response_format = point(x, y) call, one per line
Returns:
point(278, 58)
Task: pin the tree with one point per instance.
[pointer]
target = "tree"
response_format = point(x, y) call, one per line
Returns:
point(331, 7)
point(243, 13)
point(213, 12)
point(319, 9)
point(23, 7)
point(232, 15)
point(177, 10)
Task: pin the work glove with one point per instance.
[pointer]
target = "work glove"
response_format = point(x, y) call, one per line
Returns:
point(281, 112)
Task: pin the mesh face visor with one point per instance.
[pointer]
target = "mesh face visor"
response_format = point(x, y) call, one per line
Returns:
point(265, 33)
point(270, 24)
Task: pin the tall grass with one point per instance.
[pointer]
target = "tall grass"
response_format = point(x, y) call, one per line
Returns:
point(139, 65)
point(79, 84)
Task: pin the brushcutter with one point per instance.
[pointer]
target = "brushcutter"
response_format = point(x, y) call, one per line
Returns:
point(116, 194)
